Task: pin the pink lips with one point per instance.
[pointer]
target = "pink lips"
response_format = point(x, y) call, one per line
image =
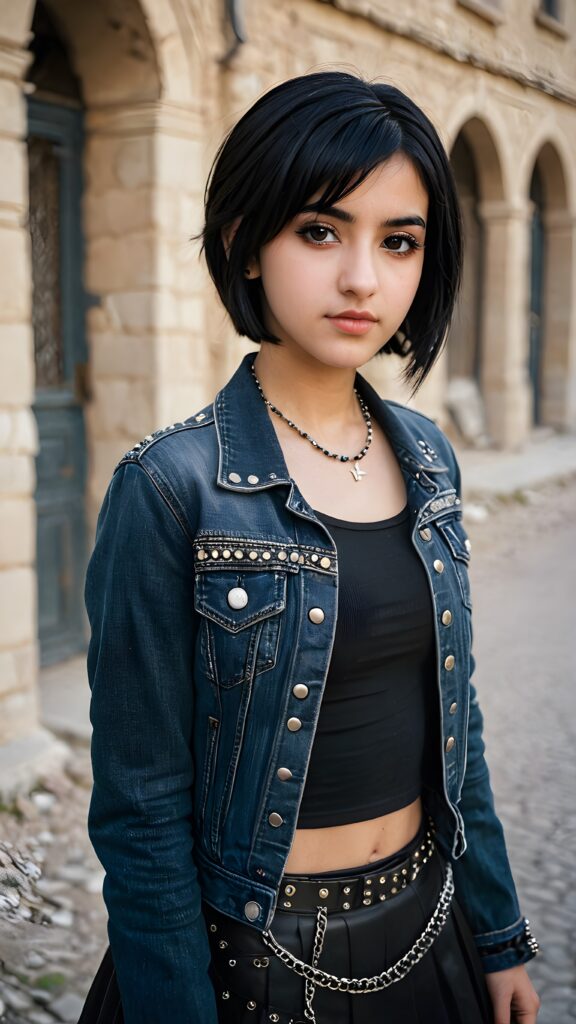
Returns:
point(353, 321)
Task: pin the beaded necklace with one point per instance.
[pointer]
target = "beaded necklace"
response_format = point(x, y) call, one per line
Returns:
point(357, 473)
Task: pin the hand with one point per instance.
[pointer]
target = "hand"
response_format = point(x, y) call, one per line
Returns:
point(513, 996)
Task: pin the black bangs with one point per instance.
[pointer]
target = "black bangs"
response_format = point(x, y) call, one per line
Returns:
point(328, 157)
point(314, 139)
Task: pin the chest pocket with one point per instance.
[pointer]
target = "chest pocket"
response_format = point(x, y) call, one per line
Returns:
point(241, 618)
point(454, 536)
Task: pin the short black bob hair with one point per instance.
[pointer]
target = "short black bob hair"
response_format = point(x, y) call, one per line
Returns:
point(328, 130)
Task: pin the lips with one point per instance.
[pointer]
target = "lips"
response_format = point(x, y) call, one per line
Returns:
point(354, 314)
point(353, 321)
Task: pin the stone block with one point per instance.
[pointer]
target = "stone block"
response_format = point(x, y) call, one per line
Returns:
point(123, 355)
point(17, 474)
point(18, 431)
point(191, 313)
point(179, 163)
point(132, 311)
point(8, 673)
point(121, 264)
point(13, 180)
point(105, 454)
point(12, 109)
point(182, 358)
point(122, 408)
point(134, 162)
point(15, 289)
point(17, 531)
point(17, 364)
point(168, 314)
point(26, 759)
point(166, 210)
point(18, 715)
point(15, 20)
point(18, 668)
point(118, 211)
point(101, 163)
point(99, 318)
point(17, 606)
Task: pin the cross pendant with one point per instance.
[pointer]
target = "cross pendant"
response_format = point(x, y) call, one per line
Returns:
point(357, 473)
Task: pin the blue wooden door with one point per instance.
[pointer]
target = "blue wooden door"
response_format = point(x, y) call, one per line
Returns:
point(55, 140)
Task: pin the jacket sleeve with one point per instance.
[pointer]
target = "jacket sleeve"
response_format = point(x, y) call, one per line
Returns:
point(139, 599)
point(482, 875)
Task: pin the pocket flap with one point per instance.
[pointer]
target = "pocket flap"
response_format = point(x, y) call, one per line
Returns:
point(264, 594)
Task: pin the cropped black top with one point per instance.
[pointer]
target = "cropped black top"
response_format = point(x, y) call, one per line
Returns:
point(372, 743)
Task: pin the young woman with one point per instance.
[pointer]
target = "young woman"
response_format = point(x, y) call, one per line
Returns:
point(291, 800)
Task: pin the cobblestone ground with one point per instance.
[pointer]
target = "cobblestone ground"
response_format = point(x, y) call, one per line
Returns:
point(52, 927)
point(523, 570)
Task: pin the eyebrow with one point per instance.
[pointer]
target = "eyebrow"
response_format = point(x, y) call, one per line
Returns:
point(392, 222)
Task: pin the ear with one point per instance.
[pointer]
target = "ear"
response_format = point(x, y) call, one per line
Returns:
point(228, 234)
point(252, 269)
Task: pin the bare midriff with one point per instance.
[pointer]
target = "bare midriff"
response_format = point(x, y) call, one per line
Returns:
point(348, 846)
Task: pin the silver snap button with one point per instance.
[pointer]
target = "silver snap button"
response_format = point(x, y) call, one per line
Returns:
point(294, 724)
point(300, 691)
point(275, 820)
point(316, 615)
point(235, 478)
point(252, 910)
point(237, 597)
point(284, 774)
point(252, 479)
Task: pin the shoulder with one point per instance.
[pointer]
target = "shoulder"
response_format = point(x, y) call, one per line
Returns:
point(425, 431)
point(168, 444)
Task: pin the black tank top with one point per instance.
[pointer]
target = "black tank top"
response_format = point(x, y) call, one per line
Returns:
point(370, 750)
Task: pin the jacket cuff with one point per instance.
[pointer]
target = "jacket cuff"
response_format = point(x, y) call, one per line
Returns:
point(500, 950)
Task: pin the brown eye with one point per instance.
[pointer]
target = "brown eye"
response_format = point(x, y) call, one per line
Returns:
point(316, 233)
point(402, 244)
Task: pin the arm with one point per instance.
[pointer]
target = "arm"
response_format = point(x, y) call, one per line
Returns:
point(139, 598)
point(483, 878)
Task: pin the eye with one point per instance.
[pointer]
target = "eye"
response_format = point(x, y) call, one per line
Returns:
point(316, 233)
point(402, 244)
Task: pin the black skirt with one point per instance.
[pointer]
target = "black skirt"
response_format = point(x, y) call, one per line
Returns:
point(252, 986)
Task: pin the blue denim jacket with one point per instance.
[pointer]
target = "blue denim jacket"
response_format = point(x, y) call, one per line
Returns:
point(192, 694)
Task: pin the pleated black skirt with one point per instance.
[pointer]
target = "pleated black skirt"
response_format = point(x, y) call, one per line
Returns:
point(447, 986)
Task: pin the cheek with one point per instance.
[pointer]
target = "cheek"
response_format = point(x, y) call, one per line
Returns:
point(288, 278)
point(404, 283)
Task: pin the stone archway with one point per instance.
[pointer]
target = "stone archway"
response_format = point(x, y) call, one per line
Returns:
point(479, 180)
point(499, 316)
point(551, 346)
point(141, 72)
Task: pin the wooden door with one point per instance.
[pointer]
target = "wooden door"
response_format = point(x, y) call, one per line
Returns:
point(55, 139)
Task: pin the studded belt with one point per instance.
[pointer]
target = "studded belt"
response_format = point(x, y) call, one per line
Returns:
point(300, 894)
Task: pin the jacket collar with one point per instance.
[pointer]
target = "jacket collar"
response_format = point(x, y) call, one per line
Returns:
point(250, 456)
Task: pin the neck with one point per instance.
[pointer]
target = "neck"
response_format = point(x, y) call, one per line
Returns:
point(318, 398)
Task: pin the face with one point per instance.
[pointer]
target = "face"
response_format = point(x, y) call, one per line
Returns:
point(339, 282)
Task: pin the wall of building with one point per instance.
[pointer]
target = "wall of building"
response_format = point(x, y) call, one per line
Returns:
point(158, 98)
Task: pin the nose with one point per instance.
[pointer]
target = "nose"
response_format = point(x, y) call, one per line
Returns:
point(357, 272)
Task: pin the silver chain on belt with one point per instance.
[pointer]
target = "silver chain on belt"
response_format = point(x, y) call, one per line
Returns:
point(359, 986)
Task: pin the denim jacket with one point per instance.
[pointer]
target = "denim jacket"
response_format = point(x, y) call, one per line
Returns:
point(211, 592)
